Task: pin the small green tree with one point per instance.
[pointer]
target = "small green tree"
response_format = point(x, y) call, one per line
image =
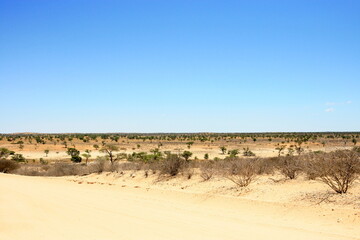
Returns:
point(109, 149)
point(46, 152)
point(186, 155)
point(4, 153)
point(280, 149)
point(74, 153)
point(223, 149)
point(206, 156)
point(86, 155)
point(96, 146)
point(189, 144)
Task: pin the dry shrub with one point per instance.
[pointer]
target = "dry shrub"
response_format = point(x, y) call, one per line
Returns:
point(131, 166)
point(337, 169)
point(207, 169)
point(189, 172)
point(102, 164)
point(99, 166)
point(266, 165)
point(290, 166)
point(30, 170)
point(172, 165)
point(7, 166)
point(66, 169)
point(240, 171)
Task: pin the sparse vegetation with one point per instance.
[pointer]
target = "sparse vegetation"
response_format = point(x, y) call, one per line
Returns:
point(337, 169)
point(240, 171)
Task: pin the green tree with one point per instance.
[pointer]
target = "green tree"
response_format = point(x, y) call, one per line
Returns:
point(186, 155)
point(4, 153)
point(223, 149)
point(280, 149)
point(74, 153)
point(86, 155)
point(109, 149)
point(189, 144)
point(46, 152)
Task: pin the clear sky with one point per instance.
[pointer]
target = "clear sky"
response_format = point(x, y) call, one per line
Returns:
point(179, 66)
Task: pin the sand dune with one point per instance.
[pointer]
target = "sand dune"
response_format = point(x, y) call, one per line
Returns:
point(56, 208)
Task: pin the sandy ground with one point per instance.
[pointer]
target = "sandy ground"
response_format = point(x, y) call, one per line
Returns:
point(115, 206)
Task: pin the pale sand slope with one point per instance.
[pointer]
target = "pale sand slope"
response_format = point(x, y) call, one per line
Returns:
point(55, 208)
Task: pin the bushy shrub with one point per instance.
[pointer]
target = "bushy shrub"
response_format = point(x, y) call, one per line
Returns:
point(4, 153)
point(7, 166)
point(75, 155)
point(248, 153)
point(76, 159)
point(18, 158)
point(145, 157)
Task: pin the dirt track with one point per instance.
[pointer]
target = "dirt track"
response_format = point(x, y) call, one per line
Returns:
point(50, 208)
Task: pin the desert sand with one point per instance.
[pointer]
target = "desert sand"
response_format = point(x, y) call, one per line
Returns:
point(110, 206)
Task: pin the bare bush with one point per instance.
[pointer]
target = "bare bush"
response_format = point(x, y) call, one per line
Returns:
point(189, 172)
point(30, 170)
point(207, 170)
point(266, 165)
point(289, 166)
point(337, 169)
point(65, 169)
point(133, 166)
point(172, 165)
point(7, 166)
point(240, 171)
point(99, 166)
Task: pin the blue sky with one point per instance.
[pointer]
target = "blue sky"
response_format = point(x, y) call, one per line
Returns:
point(179, 66)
